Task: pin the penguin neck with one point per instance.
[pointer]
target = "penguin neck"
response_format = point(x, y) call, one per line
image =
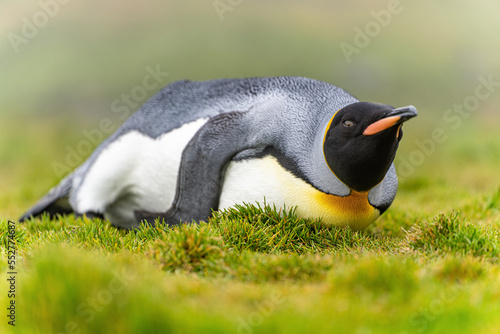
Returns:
point(328, 181)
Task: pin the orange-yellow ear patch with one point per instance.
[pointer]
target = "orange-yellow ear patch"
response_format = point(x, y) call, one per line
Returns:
point(381, 125)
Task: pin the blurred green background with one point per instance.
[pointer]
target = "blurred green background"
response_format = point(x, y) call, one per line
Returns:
point(62, 66)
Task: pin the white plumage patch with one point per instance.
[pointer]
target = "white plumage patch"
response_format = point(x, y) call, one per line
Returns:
point(250, 181)
point(135, 172)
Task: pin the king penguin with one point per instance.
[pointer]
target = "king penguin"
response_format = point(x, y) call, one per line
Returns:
point(195, 147)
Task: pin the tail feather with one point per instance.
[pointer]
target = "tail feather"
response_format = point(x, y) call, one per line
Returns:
point(55, 202)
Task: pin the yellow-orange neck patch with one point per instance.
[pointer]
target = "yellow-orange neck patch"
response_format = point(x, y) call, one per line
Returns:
point(354, 210)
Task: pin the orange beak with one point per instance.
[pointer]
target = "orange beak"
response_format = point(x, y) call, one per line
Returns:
point(397, 116)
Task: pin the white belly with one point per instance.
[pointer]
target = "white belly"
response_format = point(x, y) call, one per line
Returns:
point(135, 172)
point(254, 180)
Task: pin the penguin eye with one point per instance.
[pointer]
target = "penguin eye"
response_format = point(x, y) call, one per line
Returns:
point(348, 124)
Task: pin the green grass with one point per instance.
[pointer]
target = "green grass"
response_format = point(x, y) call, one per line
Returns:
point(449, 234)
point(253, 269)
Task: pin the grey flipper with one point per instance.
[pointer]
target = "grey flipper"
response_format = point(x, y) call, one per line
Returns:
point(55, 202)
point(203, 165)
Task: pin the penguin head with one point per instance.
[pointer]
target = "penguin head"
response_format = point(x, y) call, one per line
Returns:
point(361, 140)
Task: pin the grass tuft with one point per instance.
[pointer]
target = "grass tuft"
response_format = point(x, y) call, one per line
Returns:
point(448, 234)
point(268, 230)
point(189, 247)
point(20, 236)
